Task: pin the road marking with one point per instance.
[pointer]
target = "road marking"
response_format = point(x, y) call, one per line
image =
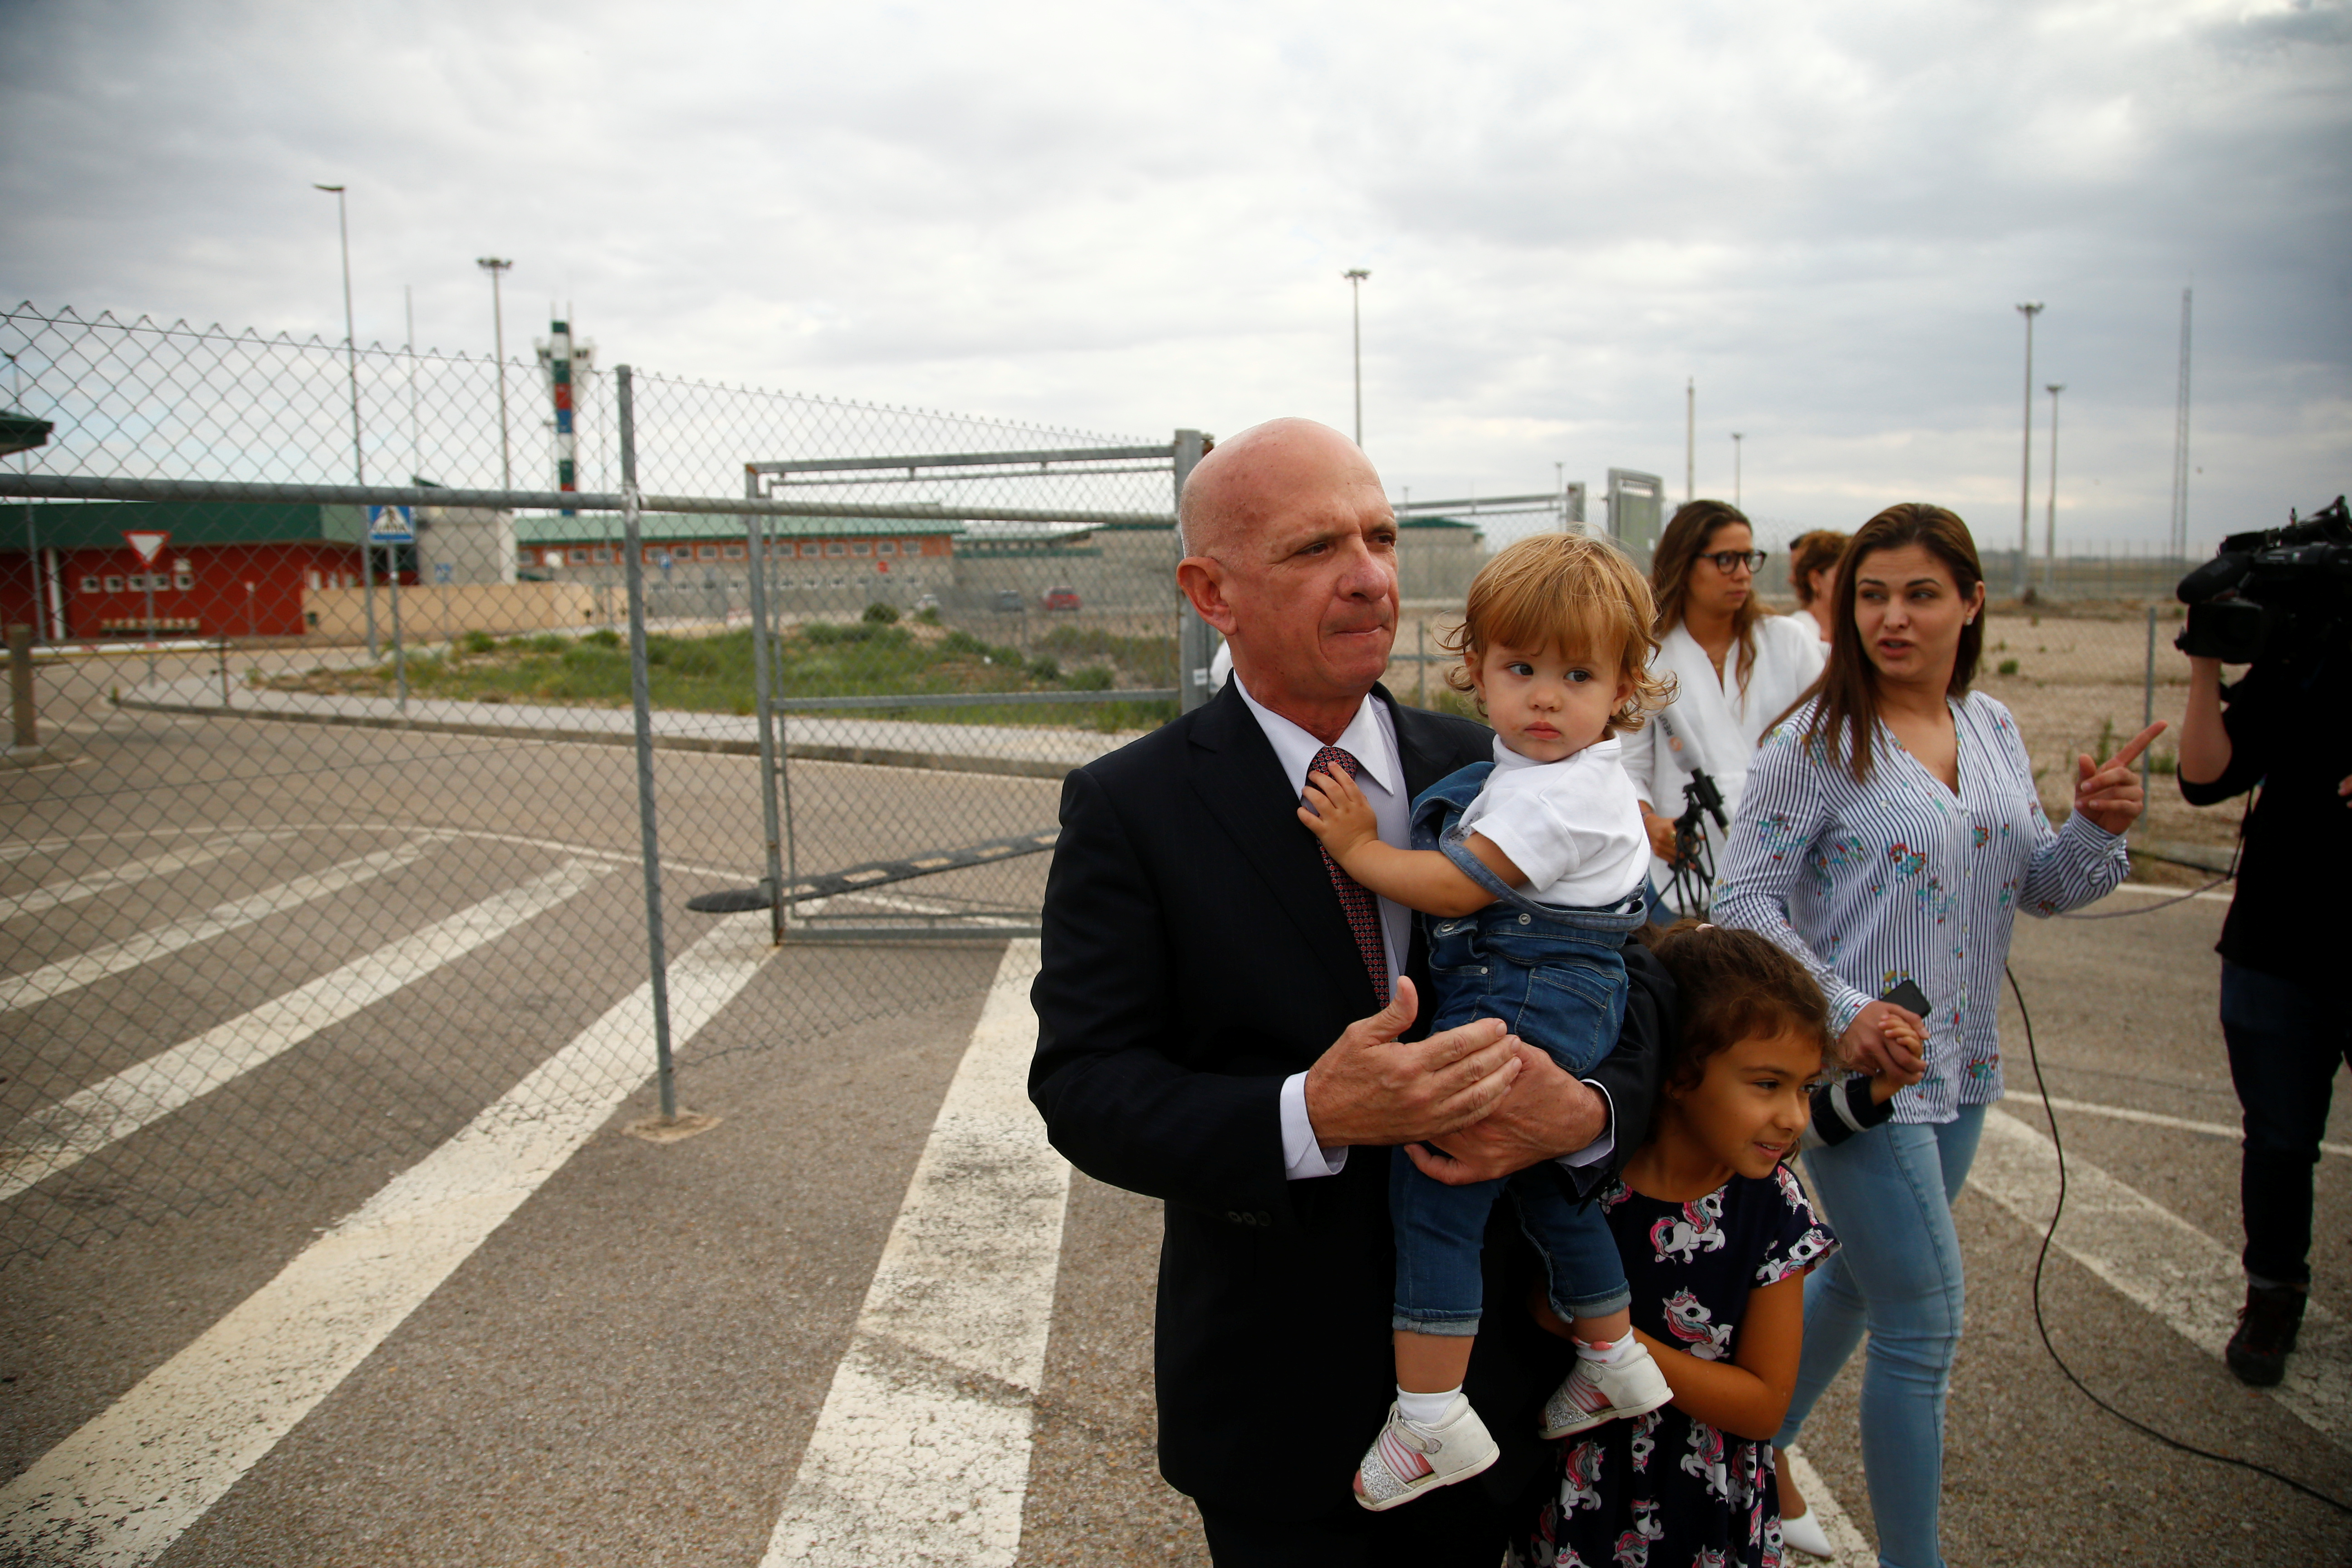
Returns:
point(921, 1452)
point(2155, 892)
point(2153, 1257)
point(2155, 1118)
point(67, 975)
point(1845, 1536)
point(42, 899)
point(120, 1492)
point(60, 1137)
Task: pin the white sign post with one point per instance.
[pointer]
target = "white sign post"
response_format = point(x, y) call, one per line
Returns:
point(396, 526)
point(148, 543)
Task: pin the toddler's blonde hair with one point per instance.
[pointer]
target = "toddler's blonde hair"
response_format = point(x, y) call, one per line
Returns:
point(1570, 591)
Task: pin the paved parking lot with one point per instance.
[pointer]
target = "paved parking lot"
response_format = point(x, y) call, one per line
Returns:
point(387, 1282)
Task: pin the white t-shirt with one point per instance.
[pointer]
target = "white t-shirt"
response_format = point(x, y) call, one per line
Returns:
point(1573, 827)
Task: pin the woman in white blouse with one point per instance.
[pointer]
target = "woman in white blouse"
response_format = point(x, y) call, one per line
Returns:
point(1736, 668)
point(1813, 566)
point(1890, 832)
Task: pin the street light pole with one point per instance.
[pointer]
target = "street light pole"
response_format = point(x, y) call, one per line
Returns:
point(1734, 471)
point(494, 266)
point(2029, 310)
point(1355, 277)
point(2049, 520)
point(1690, 440)
point(359, 458)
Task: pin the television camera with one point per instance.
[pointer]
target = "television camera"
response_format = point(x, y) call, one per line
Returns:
point(2281, 590)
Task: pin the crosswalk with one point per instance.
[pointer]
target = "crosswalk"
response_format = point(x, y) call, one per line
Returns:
point(921, 1448)
point(127, 1483)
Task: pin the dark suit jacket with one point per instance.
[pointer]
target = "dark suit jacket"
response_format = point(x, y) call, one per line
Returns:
point(1194, 956)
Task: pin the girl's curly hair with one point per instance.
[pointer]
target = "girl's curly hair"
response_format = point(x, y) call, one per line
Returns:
point(1570, 591)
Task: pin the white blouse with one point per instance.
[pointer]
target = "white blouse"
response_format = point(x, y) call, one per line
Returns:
point(1716, 723)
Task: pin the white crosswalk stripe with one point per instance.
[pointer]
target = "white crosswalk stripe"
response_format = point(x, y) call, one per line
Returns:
point(87, 968)
point(42, 899)
point(2178, 1274)
point(118, 1492)
point(57, 1137)
point(921, 1452)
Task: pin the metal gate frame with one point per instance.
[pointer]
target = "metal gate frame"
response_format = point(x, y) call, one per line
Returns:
point(784, 884)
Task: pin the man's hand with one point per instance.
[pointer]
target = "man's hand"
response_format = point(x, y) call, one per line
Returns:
point(1337, 813)
point(1370, 1088)
point(1906, 1050)
point(1880, 1040)
point(1547, 1113)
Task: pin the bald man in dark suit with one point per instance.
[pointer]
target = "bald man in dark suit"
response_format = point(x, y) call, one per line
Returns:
point(1228, 1024)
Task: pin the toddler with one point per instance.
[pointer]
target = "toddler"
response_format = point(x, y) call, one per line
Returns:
point(1528, 873)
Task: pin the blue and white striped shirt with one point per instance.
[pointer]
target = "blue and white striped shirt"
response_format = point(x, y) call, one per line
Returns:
point(1872, 884)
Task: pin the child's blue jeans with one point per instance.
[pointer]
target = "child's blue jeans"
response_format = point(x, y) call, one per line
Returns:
point(1557, 978)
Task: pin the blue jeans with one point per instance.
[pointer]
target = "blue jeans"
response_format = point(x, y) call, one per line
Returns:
point(1889, 1194)
point(1557, 978)
point(2285, 1041)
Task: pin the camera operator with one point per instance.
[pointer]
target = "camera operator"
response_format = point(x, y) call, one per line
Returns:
point(2286, 727)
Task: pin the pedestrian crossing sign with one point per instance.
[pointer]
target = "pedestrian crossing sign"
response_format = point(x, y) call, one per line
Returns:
point(392, 525)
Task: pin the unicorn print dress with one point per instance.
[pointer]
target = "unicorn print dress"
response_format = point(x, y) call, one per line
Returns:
point(1663, 1490)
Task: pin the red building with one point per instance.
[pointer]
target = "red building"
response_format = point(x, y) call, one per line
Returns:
point(228, 569)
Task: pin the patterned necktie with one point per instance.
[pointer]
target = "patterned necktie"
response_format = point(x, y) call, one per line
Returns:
point(1363, 912)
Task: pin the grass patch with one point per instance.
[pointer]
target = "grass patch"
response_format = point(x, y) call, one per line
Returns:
point(713, 674)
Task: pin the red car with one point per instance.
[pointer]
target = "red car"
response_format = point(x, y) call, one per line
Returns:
point(1061, 599)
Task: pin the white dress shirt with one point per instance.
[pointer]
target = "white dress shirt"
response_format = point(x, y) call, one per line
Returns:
point(1371, 738)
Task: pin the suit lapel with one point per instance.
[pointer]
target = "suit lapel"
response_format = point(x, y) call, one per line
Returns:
point(1237, 777)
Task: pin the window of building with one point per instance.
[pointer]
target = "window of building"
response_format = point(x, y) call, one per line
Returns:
point(735, 553)
point(579, 556)
point(314, 579)
point(887, 547)
point(835, 547)
point(863, 547)
point(681, 552)
point(706, 553)
point(605, 557)
point(183, 581)
point(653, 553)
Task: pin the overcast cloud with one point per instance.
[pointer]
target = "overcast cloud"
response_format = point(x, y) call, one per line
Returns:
point(1133, 216)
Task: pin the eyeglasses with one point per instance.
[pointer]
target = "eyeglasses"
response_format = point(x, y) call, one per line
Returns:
point(1729, 561)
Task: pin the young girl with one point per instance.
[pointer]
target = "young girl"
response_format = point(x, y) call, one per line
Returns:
point(1717, 1237)
point(1530, 870)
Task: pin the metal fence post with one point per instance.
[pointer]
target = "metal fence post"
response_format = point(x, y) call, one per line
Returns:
point(2147, 698)
point(1194, 649)
point(641, 699)
point(399, 651)
point(755, 531)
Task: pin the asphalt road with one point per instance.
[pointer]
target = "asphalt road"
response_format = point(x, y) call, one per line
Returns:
point(629, 1367)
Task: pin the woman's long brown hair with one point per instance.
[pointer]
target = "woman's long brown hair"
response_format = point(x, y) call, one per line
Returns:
point(1848, 687)
point(1684, 541)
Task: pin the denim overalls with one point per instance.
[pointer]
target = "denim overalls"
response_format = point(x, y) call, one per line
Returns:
point(1556, 977)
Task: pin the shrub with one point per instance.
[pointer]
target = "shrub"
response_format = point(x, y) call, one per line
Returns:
point(2008, 667)
point(548, 642)
point(881, 614)
point(1094, 677)
point(962, 641)
point(824, 633)
point(1044, 669)
point(605, 636)
point(479, 642)
point(928, 616)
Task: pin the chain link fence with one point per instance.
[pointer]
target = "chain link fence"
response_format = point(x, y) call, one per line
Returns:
point(368, 777)
point(364, 772)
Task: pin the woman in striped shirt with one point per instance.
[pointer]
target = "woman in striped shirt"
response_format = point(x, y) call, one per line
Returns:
point(1890, 831)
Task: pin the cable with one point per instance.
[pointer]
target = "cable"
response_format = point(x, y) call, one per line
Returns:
point(2042, 1257)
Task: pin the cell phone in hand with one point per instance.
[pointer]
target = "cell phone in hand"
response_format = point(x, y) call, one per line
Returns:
point(1908, 996)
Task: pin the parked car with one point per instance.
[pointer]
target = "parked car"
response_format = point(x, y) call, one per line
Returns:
point(926, 602)
point(1008, 602)
point(1061, 598)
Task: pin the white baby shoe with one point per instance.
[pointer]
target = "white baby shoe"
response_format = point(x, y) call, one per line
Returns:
point(1408, 1458)
point(1598, 1392)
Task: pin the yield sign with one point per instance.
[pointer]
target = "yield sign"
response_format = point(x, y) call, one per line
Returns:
point(148, 542)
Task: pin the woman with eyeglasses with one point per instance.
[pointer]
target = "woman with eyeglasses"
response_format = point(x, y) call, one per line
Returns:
point(1736, 665)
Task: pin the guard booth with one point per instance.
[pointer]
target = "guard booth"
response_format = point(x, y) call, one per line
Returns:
point(1637, 504)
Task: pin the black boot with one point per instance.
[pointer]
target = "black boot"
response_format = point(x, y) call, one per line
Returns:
point(2257, 1353)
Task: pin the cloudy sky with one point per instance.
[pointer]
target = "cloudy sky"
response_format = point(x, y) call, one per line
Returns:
point(1129, 217)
